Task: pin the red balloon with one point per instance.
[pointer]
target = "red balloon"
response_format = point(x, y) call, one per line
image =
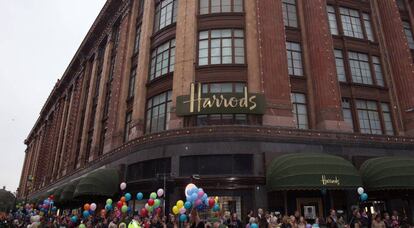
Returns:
point(143, 212)
point(119, 204)
point(52, 196)
point(211, 202)
point(151, 202)
point(158, 211)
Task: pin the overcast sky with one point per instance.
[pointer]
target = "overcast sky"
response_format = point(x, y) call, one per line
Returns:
point(38, 40)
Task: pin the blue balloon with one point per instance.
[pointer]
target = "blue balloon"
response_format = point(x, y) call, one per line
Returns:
point(140, 196)
point(108, 207)
point(216, 208)
point(254, 225)
point(74, 219)
point(364, 196)
point(129, 209)
point(183, 218)
point(91, 212)
point(194, 197)
point(86, 214)
point(204, 197)
point(128, 196)
point(187, 205)
point(54, 209)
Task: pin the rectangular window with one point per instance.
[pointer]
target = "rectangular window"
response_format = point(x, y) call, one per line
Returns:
point(137, 39)
point(378, 70)
point(409, 34)
point(158, 112)
point(368, 116)
point(360, 70)
point(340, 66)
point(351, 23)
point(368, 27)
point(148, 169)
point(290, 17)
point(300, 111)
point(221, 46)
point(333, 25)
point(386, 114)
point(131, 86)
point(222, 119)
point(165, 14)
point(220, 6)
point(128, 121)
point(294, 56)
point(347, 112)
point(162, 60)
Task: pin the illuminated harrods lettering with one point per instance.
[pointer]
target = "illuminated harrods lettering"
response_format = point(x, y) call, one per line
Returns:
point(330, 181)
point(218, 103)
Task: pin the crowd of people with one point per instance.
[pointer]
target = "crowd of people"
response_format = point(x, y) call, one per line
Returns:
point(261, 219)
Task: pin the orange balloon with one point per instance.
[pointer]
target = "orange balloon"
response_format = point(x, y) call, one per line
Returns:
point(123, 199)
point(86, 207)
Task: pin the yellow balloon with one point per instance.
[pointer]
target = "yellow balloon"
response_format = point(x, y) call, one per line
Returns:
point(175, 210)
point(180, 204)
point(216, 199)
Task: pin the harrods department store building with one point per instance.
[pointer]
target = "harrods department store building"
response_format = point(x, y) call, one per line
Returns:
point(278, 104)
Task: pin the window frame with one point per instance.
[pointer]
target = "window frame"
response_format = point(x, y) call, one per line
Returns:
point(285, 7)
point(291, 60)
point(154, 58)
point(209, 7)
point(166, 103)
point(158, 13)
point(295, 105)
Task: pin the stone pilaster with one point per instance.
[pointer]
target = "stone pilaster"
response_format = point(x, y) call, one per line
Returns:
point(140, 96)
point(63, 121)
point(252, 47)
point(326, 93)
point(185, 50)
point(273, 78)
point(399, 57)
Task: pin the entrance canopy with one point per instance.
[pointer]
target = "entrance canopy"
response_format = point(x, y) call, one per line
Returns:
point(308, 171)
point(103, 182)
point(67, 192)
point(386, 173)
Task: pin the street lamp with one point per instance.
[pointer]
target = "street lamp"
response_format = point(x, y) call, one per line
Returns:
point(164, 177)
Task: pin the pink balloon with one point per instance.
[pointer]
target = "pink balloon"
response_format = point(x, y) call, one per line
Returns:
point(200, 194)
point(123, 186)
point(182, 210)
point(197, 202)
point(160, 192)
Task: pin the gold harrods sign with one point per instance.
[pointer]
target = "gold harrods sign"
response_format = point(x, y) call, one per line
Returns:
point(330, 181)
point(198, 103)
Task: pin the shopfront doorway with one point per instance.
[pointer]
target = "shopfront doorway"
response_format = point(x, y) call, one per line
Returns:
point(310, 208)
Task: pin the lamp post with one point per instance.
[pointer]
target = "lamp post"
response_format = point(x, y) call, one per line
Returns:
point(164, 177)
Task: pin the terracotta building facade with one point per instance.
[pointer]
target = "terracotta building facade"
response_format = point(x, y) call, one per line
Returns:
point(225, 93)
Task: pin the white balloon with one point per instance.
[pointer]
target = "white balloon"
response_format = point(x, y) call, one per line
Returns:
point(160, 192)
point(93, 207)
point(360, 190)
point(123, 186)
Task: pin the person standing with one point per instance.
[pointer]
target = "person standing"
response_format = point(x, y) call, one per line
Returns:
point(262, 219)
point(377, 222)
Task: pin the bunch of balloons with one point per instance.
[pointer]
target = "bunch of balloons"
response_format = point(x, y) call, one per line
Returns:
point(88, 209)
point(362, 195)
point(108, 206)
point(153, 204)
point(47, 204)
point(122, 203)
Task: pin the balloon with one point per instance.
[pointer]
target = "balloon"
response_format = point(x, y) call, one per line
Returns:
point(151, 202)
point(108, 207)
point(187, 205)
point(175, 210)
point(153, 195)
point(143, 212)
point(193, 197)
point(183, 218)
point(86, 207)
point(140, 196)
point(128, 197)
point(74, 219)
point(54, 208)
point(150, 209)
point(109, 201)
point(200, 193)
point(158, 211)
point(180, 204)
point(93, 207)
point(123, 199)
point(123, 186)
point(160, 192)
point(82, 226)
point(124, 209)
point(197, 202)
point(188, 188)
point(211, 202)
point(182, 210)
point(119, 204)
point(254, 225)
point(204, 197)
point(52, 197)
point(86, 214)
point(157, 203)
point(360, 190)
point(216, 208)
point(364, 196)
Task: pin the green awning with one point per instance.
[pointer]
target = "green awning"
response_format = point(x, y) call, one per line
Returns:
point(103, 182)
point(67, 192)
point(388, 173)
point(57, 193)
point(307, 171)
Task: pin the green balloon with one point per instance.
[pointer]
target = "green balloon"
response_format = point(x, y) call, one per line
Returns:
point(153, 195)
point(157, 203)
point(82, 226)
point(109, 202)
point(150, 209)
point(124, 209)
